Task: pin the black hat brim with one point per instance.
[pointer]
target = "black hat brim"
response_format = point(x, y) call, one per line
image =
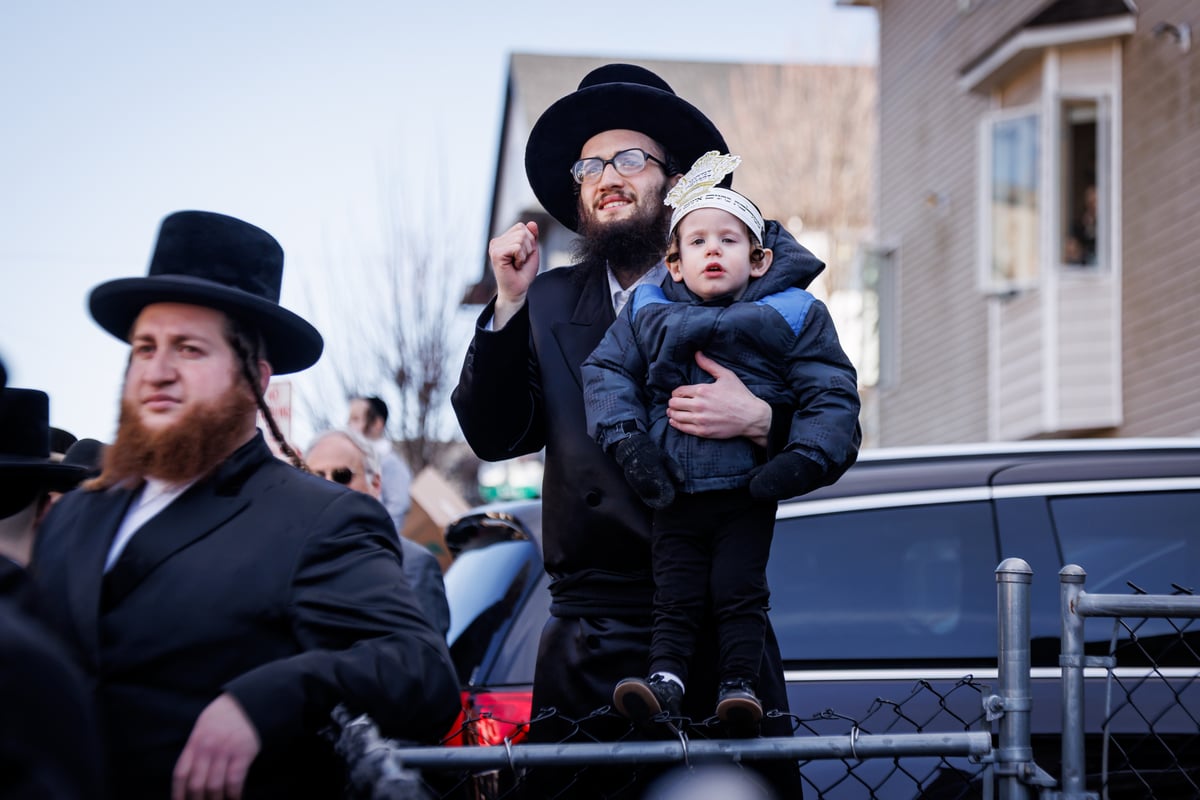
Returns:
point(54, 476)
point(292, 343)
point(560, 133)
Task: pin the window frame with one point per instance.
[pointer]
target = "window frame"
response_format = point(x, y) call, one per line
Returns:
point(988, 281)
point(1054, 93)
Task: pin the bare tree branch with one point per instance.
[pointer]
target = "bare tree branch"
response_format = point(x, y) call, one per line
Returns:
point(393, 320)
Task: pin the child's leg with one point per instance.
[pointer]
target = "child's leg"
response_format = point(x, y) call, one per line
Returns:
point(738, 579)
point(680, 552)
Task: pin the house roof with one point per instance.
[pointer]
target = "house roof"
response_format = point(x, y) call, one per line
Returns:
point(1057, 23)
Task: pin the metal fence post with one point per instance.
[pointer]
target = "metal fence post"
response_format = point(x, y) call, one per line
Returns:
point(1014, 758)
point(1071, 579)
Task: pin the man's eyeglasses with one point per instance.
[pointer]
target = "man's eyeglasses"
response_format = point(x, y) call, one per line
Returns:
point(342, 475)
point(627, 163)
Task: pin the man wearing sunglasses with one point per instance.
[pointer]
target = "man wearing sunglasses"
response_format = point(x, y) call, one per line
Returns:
point(600, 161)
point(346, 457)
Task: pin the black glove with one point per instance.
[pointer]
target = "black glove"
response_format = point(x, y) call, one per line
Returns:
point(651, 472)
point(786, 475)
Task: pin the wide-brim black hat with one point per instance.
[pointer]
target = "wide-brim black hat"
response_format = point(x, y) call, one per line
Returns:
point(212, 260)
point(612, 97)
point(25, 443)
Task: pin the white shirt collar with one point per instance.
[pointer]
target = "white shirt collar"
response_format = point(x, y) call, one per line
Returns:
point(654, 276)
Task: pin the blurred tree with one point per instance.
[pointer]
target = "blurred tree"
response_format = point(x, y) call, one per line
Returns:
point(393, 325)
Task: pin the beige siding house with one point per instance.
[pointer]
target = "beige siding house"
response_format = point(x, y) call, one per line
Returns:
point(1038, 204)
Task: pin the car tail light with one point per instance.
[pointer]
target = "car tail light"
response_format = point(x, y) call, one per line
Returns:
point(489, 718)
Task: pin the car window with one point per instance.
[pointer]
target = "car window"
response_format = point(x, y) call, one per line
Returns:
point(1149, 539)
point(484, 587)
point(907, 583)
point(515, 659)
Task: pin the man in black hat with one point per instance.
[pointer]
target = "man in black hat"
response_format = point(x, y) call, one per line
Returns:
point(601, 160)
point(49, 738)
point(223, 601)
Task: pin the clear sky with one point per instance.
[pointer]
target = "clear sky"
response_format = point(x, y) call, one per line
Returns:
point(289, 114)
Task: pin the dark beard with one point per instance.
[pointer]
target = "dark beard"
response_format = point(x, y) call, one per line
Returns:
point(191, 448)
point(628, 247)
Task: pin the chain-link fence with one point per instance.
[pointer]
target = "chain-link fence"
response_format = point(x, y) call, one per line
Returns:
point(1149, 744)
point(920, 745)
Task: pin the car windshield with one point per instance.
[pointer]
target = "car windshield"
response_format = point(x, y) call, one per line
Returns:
point(479, 579)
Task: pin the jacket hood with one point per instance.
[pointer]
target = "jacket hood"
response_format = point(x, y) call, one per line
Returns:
point(793, 265)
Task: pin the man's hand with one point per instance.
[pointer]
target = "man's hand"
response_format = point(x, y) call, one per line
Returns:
point(723, 409)
point(218, 754)
point(515, 259)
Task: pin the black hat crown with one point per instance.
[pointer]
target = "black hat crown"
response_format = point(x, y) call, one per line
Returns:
point(213, 260)
point(25, 442)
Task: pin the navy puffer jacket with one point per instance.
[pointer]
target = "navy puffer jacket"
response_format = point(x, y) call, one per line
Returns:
point(778, 338)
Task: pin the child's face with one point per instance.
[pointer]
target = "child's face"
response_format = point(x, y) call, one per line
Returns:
point(714, 254)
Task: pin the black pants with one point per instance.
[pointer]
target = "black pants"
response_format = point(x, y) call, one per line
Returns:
point(579, 662)
point(710, 552)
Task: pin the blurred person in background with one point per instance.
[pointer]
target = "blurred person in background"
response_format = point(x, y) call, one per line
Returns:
point(345, 457)
point(49, 734)
point(369, 416)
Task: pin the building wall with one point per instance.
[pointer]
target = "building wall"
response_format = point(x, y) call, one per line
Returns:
point(1161, 156)
point(928, 211)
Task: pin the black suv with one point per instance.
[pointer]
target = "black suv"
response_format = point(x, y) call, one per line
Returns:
point(882, 586)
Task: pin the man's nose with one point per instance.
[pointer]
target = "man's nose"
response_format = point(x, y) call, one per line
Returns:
point(609, 175)
point(160, 367)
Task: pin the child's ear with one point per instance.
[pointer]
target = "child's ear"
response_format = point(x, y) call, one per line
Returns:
point(675, 268)
point(759, 268)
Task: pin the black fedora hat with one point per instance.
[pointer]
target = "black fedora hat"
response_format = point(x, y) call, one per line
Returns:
point(25, 443)
point(615, 96)
point(212, 260)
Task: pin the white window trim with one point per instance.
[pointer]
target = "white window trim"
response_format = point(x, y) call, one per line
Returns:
point(985, 75)
point(984, 278)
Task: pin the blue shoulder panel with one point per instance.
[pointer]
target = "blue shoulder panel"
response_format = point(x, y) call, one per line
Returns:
point(792, 304)
point(644, 296)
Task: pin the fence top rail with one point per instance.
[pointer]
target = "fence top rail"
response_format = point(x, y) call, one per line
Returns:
point(1137, 605)
point(973, 743)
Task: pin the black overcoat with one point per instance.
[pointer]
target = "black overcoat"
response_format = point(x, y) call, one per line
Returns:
point(275, 586)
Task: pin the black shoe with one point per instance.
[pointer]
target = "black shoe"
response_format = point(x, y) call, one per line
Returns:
point(641, 700)
point(738, 707)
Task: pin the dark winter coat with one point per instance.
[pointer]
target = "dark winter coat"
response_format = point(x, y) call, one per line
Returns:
point(776, 337)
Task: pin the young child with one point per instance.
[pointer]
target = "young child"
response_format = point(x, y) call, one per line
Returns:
point(714, 500)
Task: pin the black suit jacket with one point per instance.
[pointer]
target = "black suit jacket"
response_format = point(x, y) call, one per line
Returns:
point(521, 390)
point(49, 738)
point(279, 588)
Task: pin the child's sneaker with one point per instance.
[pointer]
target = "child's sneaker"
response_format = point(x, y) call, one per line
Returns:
point(738, 707)
point(641, 700)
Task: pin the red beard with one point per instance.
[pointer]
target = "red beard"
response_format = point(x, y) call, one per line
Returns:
point(190, 448)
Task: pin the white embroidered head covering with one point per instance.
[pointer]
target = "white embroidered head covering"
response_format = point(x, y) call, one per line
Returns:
point(698, 189)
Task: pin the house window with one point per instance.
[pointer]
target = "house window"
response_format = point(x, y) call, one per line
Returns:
point(877, 362)
point(1012, 225)
point(1085, 133)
